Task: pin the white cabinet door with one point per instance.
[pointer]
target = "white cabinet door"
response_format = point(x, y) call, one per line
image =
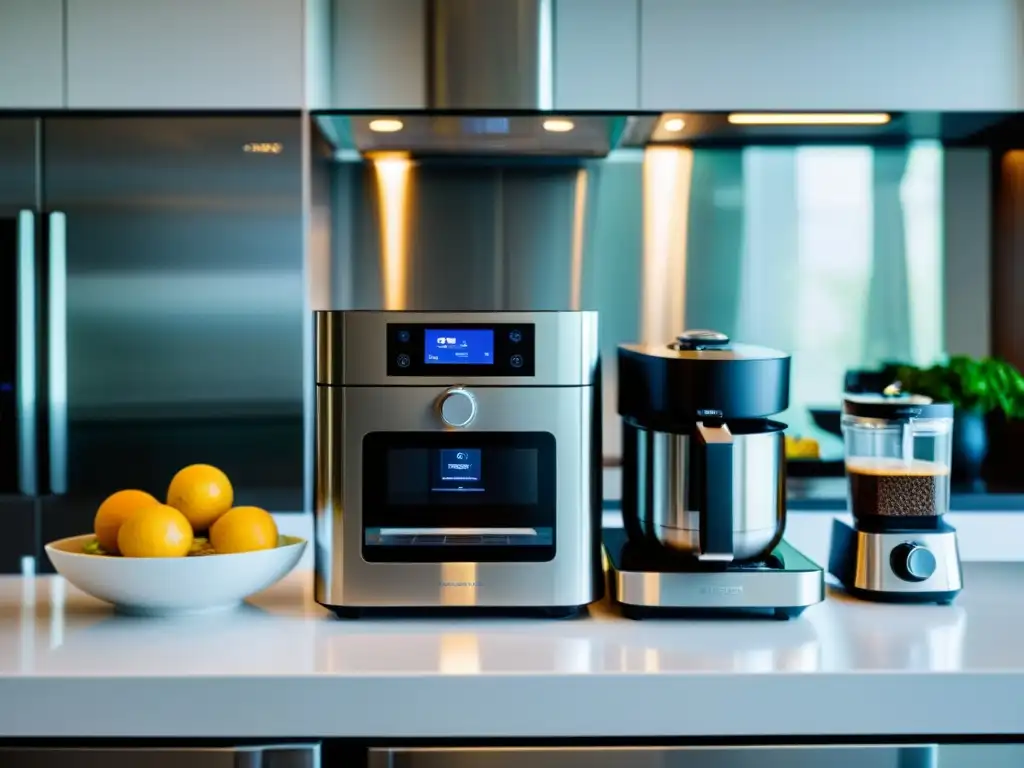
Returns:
point(31, 54)
point(597, 54)
point(835, 54)
point(185, 54)
point(380, 54)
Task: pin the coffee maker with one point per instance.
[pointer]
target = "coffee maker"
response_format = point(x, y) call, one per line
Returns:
point(898, 458)
point(704, 483)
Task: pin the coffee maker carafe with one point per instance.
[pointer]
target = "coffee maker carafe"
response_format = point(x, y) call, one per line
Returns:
point(898, 458)
point(704, 483)
point(703, 464)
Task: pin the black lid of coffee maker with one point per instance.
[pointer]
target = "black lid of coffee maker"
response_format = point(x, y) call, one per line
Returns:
point(700, 375)
point(896, 407)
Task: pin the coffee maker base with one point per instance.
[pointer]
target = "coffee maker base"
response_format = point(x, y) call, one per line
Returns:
point(646, 584)
point(896, 566)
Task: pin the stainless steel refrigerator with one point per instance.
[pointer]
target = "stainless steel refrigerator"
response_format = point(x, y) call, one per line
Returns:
point(152, 307)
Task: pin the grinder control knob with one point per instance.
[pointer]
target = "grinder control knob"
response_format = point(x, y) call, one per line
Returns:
point(457, 407)
point(912, 562)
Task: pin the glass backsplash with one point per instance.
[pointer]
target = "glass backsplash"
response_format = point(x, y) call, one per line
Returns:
point(834, 253)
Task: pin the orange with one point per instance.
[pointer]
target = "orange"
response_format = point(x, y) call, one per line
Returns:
point(112, 513)
point(243, 529)
point(158, 531)
point(202, 494)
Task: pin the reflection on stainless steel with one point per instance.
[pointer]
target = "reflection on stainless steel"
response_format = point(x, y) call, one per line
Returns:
point(668, 176)
point(834, 756)
point(491, 54)
point(26, 380)
point(668, 476)
point(293, 755)
point(176, 305)
point(437, 236)
point(57, 373)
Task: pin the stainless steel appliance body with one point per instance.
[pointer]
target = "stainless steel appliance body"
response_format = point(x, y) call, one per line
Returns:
point(703, 466)
point(781, 585)
point(670, 475)
point(457, 461)
point(894, 566)
point(153, 314)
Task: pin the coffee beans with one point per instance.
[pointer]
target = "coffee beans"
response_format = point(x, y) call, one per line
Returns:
point(895, 488)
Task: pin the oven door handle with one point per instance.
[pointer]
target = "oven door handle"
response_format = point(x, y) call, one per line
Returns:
point(26, 380)
point(57, 369)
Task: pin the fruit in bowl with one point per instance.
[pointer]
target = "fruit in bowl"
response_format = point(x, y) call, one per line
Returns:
point(195, 553)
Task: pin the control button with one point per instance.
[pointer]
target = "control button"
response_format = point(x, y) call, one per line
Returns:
point(912, 562)
point(515, 336)
point(403, 361)
point(403, 336)
point(457, 407)
point(516, 361)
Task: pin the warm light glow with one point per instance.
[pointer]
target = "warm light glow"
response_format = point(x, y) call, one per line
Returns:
point(263, 147)
point(559, 126)
point(386, 126)
point(668, 174)
point(674, 124)
point(393, 181)
point(460, 654)
point(579, 221)
point(809, 118)
point(459, 584)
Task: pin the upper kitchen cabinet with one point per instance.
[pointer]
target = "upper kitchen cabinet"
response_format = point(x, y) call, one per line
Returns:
point(484, 54)
point(31, 54)
point(378, 57)
point(836, 55)
point(186, 54)
point(597, 54)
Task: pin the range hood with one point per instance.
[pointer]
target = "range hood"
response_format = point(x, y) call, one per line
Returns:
point(490, 54)
point(490, 75)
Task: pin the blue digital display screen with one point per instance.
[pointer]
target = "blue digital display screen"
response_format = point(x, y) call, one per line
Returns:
point(473, 346)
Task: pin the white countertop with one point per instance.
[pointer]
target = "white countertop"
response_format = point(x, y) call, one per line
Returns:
point(283, 667)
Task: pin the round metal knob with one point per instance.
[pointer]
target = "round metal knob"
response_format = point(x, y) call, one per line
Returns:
point(912, 562)
point(457, 407)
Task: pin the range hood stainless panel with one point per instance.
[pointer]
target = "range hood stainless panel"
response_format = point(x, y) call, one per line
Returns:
point(490, 54)
point(467, 134)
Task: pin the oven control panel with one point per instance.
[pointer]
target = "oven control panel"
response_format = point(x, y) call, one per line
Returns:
point(454, 350)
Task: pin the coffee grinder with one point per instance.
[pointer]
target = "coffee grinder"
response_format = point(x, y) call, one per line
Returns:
point(898, 457)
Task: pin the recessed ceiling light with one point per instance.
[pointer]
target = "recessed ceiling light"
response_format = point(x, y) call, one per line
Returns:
point(386, 126)
point(809, 118)
point(674, 124)
point(558, 126)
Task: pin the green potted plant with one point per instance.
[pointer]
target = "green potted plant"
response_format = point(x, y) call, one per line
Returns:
point(977, 388)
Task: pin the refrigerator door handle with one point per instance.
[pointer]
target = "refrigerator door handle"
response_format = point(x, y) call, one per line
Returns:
point(27, 377)
point(58, 352)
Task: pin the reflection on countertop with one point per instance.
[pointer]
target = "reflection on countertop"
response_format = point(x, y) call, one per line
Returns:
point(283, 665)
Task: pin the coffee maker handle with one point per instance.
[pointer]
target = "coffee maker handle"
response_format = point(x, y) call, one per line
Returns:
point(716, 495)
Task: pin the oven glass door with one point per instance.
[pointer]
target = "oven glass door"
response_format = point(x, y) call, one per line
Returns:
point(432, 497)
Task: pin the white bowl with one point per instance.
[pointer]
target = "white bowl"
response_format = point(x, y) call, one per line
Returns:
point(171, 586)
